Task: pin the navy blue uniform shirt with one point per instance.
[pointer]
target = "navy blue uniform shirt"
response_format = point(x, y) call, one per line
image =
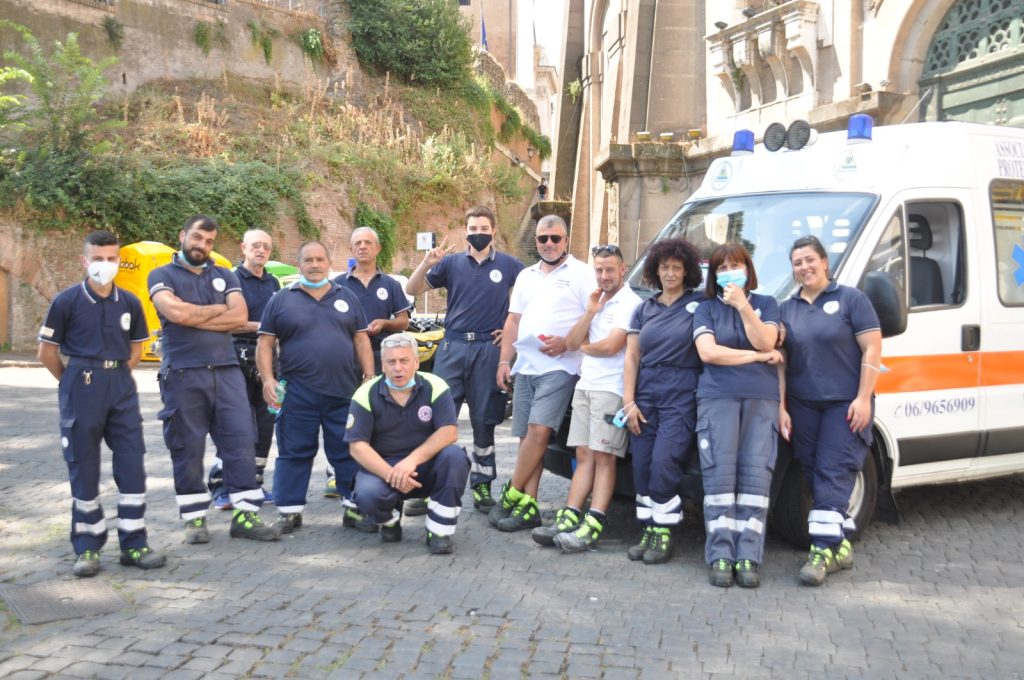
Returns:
point(88, 326)
point(382, 299)
point(821, 341)
point(316, 338)
point(392, 430)
point(477, 292)
point(257, 291)
point(666, 333)
point(750, 381)
point(185, 346)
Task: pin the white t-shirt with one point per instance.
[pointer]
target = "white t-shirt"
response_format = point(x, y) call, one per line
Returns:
point(550, 304)
point(605, 373)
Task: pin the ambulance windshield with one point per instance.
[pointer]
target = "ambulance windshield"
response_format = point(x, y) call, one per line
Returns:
point(767, 225)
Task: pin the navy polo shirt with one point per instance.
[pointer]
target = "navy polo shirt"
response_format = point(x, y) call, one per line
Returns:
point(393, 430)
point(88, 326)
point(477, 292)
point(382, 299)
point(257, 291)
point(824, 359)
point(186, 346)
point(750, 381)
point(666, 332)
point(316, 337)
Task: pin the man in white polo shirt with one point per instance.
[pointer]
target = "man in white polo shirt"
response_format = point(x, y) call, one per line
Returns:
point(600, 334)
point(546, 302)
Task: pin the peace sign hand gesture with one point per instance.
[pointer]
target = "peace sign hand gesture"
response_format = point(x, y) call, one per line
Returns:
point(435, 255)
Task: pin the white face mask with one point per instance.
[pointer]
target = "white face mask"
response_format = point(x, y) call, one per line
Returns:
point(102, 272)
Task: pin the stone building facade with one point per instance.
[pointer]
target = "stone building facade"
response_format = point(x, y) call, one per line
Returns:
point(662, 86)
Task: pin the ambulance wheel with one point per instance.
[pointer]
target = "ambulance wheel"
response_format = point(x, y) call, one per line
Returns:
point(789, 517)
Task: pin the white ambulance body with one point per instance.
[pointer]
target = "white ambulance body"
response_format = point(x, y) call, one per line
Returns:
point(939, 207)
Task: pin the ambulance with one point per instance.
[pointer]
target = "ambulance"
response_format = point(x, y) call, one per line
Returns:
point(928, 220)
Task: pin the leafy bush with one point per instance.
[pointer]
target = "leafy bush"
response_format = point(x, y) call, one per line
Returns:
point(538, 141)
point(115, 32)
point(201, 36)
point(312, 43)
point(425, 42)
point(262, 36)
point(384, 225)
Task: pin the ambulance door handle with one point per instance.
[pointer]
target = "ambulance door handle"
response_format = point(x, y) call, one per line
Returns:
point(970, 338)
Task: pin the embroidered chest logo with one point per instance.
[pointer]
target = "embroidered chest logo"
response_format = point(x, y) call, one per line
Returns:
point(219, 285)
point(692, 307)
point(382, 294)
point(830, 307)
point(425, 413)
point(496, 276)
point(341, 306)
point(126, 321)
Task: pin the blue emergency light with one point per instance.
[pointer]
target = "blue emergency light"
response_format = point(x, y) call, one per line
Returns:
point(743, 143)
point(859, 128)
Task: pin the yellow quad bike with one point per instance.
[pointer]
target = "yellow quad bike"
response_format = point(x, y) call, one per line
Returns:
point(429, 332)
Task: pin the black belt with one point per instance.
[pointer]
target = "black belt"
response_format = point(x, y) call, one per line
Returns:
point(96, 363)
point(469, 337)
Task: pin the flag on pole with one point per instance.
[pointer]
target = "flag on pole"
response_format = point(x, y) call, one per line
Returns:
point(483, 30)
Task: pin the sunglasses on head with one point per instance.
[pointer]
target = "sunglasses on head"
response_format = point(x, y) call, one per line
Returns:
point(610, 249)
point(397, 342)
point(554, 238)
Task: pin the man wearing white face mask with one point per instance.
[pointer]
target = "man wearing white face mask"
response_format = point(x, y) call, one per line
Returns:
point(100, 328)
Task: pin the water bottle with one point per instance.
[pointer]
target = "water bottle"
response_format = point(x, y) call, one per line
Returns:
point(282, 387)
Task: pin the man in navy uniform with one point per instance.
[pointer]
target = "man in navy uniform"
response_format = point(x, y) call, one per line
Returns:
point(258, 286)
point(322, 334)
point(383, 300)
point(402, 430)
point(100, 328)
point(202, 388)
point(479, 281)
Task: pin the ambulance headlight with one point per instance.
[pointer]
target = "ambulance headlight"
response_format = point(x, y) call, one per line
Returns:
point(743, 143)
point(859, 128)
point(774, 136)
point(798, 135)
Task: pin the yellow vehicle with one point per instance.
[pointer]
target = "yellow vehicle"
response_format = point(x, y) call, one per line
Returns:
point(429, 332)
point(137, 261)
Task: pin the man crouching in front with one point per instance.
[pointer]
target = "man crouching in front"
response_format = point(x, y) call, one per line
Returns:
point(402, 431)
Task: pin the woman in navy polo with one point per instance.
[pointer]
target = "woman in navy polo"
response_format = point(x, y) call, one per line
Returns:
point(735, 332)
point(660, 377)
point(834, 347)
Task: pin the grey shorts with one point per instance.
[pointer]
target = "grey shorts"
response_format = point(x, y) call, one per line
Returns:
point(541, 400)
point(589, 427)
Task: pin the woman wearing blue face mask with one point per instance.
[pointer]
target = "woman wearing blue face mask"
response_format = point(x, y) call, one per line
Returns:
point(735, 332)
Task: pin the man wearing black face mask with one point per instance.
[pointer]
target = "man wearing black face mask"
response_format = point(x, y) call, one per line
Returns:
point(478, 280)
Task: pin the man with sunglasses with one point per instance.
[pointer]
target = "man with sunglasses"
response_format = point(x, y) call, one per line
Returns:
point(402, 429)
point(321, 329)
point(479, 280)
point(547, 301)
point(600, 334)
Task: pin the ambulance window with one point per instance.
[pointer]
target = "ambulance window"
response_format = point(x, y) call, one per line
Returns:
point(1007, 199)
point(935, 240)
point(890, 254)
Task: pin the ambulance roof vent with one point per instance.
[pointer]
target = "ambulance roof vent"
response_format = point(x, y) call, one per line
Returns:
point(743, 143)
point(858, 130)
point(797, 136)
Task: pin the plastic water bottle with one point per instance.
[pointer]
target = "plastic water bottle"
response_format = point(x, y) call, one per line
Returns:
point(282, 387)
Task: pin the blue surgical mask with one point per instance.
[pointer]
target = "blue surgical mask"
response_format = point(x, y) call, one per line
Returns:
point(184, 258)
point(734, 276)
point(408, 386)
point(303, 281)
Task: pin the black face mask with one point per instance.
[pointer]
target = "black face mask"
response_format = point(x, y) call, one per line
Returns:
point(556, 260)
point(479, 241)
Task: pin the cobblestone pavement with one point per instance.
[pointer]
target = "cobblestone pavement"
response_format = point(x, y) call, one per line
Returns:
point(938, 596)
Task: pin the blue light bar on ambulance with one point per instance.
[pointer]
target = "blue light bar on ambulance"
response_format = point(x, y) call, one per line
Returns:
point(859, 128)
point(743, 143)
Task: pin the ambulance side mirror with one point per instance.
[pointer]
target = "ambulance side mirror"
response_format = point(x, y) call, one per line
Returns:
point(888, 301)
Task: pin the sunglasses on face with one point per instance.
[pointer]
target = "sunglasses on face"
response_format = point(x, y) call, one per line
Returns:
point(554, 238)
point(610, 249)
